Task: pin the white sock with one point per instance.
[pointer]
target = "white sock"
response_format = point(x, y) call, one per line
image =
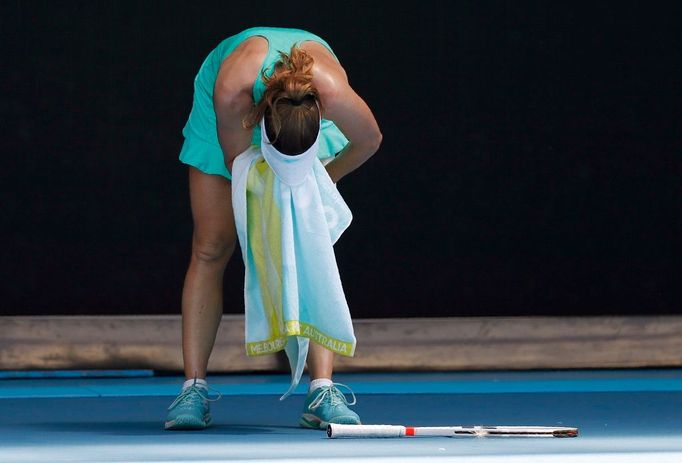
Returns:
point(314, 384)
point(200, 383)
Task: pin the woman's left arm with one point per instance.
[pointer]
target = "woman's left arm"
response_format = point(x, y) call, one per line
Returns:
point(342, 105)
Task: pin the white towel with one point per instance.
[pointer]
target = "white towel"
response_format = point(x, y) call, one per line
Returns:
point(289, 214)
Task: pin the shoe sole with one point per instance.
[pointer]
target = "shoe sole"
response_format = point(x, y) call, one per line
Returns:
point(310, 421)
point(187, 422)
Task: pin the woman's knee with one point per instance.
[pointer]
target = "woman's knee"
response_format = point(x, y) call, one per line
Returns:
point(214, 236)
point(213, 250)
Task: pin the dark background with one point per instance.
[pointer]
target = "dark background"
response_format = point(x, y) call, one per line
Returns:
point(530, 163)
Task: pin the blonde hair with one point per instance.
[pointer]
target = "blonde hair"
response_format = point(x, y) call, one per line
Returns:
point(289, 104)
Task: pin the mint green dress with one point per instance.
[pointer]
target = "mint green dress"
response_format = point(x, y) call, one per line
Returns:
point(201, 148)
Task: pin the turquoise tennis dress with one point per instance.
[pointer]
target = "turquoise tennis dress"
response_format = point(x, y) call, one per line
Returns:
point(201, 148)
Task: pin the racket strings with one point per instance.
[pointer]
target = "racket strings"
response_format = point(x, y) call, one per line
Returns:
point(334, 395)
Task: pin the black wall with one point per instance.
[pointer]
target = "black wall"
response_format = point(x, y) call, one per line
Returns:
point(530, 164)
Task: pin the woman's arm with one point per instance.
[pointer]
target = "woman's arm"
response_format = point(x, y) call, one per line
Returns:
point(232, 96)
point(230, 108)
point(342, 105)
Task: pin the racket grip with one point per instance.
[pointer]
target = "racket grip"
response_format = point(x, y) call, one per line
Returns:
point(364, 430)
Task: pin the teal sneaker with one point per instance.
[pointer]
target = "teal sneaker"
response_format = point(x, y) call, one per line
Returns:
point(327, 404)
point(190, 409)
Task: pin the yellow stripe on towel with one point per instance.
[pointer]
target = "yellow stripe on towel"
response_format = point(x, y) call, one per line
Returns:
point(265, 225)
point(297, 328)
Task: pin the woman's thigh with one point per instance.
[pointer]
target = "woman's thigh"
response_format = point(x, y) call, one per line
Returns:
point(215, 234)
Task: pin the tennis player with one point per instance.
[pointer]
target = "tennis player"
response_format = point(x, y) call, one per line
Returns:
point(298, 72)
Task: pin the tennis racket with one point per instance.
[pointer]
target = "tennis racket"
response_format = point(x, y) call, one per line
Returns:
point(385, 430)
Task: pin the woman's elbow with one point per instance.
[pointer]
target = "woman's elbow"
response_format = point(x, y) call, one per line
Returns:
point(375, 140)
point(227, 99)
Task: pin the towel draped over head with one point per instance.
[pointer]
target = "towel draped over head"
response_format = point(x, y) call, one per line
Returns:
point(289, 214)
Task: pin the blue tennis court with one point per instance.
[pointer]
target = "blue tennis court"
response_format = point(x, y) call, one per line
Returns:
point(623, 416)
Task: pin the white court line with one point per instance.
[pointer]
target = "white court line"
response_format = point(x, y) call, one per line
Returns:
point(653, 457)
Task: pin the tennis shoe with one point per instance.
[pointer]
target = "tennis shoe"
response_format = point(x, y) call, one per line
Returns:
point(327, 404)
point(190, 409)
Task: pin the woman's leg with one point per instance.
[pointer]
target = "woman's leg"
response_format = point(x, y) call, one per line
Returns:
point(320, 361)
point(213, 243)
point(323, 403)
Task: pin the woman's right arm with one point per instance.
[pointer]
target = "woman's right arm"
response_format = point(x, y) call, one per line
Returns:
point(232, 97)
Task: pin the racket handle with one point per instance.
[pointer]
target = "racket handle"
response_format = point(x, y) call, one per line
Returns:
point(364, 430)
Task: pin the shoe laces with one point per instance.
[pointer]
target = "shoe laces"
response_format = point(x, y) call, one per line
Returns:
point(334, 395)
point(194, 395)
